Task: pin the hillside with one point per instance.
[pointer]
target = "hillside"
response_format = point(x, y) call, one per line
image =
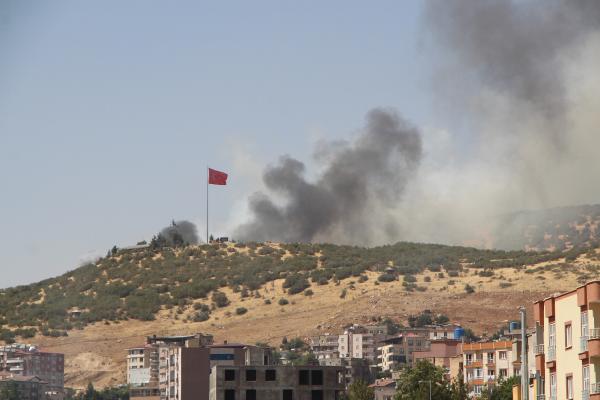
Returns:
point(551, 229)
point(234, 291)
point(138, 283)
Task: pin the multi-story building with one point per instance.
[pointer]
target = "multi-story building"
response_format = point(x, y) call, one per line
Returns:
point(325, 346)
point(443, 353)
point(486, 362)
point(25, 387)
point(567, 351)
point(178, 367)
point(397, 352)
point(144, 362)
point(354, 368)
point(276, 383)
point(28, 361)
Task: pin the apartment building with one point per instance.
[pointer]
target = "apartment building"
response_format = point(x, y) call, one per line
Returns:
point(276, 383)
point(26, 387)
point(28, 361)
point(354, 368)
point(567, 352)
point(325, 346)
point(486, 362)
point(443, 353)
point(397, 352)
point(178, 367)
point(144, 362)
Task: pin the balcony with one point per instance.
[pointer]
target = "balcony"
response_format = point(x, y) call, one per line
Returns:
point(538, 349)
point(540, 397)
point(551, 356)
point(477, 363)
point(583, 344)
point(594, 342)
point(595, 388)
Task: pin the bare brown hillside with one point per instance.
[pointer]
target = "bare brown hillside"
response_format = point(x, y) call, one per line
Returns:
point(97, 353)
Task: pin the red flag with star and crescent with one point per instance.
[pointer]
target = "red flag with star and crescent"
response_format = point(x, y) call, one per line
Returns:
point(217, 177)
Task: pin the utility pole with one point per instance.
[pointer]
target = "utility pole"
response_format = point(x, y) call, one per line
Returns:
point(524, 366)
point(429, 381)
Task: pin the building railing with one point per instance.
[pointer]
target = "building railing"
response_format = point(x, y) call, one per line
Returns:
point(539, 349)
point(585, 395)
point(551, 353)
point(595, 388)
point(540, 397)
point(594, 333)
point(583, 344)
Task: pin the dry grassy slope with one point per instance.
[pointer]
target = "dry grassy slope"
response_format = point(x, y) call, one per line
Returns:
point(97, 353)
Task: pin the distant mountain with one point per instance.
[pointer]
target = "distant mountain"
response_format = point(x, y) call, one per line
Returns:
point(553, 229)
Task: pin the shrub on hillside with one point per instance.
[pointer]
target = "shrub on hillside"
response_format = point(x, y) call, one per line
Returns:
point(202, 316)
point(220, 299)
point(241, 310)
point(283, 302)
point(386, 277)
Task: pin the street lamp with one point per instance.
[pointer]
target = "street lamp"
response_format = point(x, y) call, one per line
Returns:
point(429, 387)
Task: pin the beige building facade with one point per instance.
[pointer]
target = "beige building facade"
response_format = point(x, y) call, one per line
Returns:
point(567, 352)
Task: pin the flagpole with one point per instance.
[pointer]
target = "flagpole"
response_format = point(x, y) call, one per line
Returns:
point(207, 176)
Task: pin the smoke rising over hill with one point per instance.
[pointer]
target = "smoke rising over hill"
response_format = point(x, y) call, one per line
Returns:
point(513, 85)
point(180, 232)
point(360, 180)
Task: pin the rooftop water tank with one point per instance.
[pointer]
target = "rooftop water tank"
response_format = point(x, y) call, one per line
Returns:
point(514, 325)
point(459, 333)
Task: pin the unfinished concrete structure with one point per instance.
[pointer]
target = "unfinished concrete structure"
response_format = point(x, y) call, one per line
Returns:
point(276, 383)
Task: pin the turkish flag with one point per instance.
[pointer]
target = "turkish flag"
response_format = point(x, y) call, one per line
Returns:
point(217, 177)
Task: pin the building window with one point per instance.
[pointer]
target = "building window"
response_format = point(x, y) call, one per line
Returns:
point(270, 375)
point(288, 394)
point(229, 394)
point(317, 377)
point(230, 375)
point(304, 377)
point(586, 378)
point(502, 355)
point(503, 372)
point(568, 336)
point(569, 387)
point(250, 375)
point(316, 395)
point(251, 394)
point(553, 385)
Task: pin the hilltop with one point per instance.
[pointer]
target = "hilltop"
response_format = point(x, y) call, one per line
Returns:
point(262, 292)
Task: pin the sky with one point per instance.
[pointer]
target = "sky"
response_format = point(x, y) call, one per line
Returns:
point(110, 111)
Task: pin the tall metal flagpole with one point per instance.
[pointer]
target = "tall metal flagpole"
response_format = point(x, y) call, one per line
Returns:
point(207, 177)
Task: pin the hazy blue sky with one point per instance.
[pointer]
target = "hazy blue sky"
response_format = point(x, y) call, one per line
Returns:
point(110, 110)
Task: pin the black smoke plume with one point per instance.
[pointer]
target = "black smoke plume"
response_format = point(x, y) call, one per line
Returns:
point(359, 183)
point(179, 233)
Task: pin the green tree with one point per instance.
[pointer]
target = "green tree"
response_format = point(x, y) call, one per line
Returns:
point(359, 390)
point(414, 384)
point(502, 391)
point(459, 388)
